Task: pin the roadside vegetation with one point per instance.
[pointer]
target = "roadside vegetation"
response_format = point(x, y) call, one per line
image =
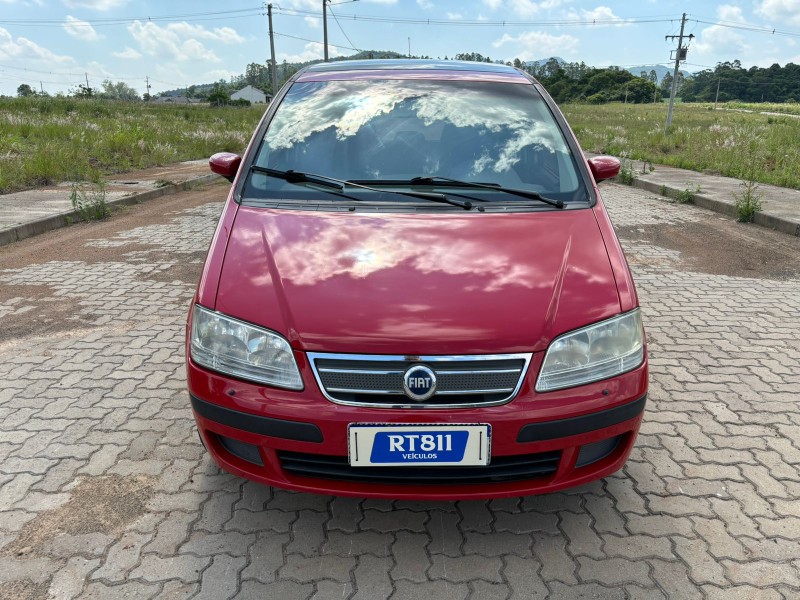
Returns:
point(46, 140)
point(701, 139)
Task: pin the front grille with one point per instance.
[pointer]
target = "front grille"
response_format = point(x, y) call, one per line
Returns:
point(377, 380)
point(502, 468)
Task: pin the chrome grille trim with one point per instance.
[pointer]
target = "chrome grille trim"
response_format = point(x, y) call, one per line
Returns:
point(362, 362)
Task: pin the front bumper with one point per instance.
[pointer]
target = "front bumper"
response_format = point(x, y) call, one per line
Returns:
point(298, 440)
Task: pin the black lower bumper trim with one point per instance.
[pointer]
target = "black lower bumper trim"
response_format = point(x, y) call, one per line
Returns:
point(280, 428)
point(549, 430)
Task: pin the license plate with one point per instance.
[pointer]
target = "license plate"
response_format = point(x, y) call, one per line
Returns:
point(412, 445)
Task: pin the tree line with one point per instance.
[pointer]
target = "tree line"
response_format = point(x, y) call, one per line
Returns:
point(566, 82)
point(756, 84)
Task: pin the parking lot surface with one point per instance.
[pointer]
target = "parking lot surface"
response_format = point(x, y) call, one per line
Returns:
point(106, 492)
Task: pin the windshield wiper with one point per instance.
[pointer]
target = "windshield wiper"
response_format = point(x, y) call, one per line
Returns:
point(434, 179)
point(339, 184)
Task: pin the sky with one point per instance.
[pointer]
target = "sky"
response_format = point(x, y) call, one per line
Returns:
point(57, 44)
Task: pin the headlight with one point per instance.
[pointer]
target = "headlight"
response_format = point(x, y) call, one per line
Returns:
point(593, 353)
point(229, 346)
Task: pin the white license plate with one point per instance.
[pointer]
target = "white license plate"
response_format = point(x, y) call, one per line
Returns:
point(411, 445)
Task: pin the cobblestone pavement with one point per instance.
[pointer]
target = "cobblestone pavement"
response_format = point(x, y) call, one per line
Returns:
point(106, 492)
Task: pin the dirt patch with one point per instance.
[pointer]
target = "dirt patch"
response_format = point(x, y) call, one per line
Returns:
point(723, 247)
point(42, 313)
point(24, 590)
point(69, 243)
point(186, 271)
point(98, 504)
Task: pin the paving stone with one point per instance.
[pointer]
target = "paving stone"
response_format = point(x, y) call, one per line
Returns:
point(210, 544)
point(523, 578)
point(446, 537)
point(394, 521)
point(66, 545)
point(557, 564)
point(613, 571)
point(465, 568)
point(586, 591)
point(497, 544)
point(184, 567)
point(125, 591)
point(303, 569)
point(761, 573)
point(411, 559)
point(356, 544)
point(220, 580)
point(526, 522)
point(372, 578)
point(256, 590)
point(69, 581)
point(122, 557)
point(308, 532)
point(267, 555)
point(703, 568)
point(441, 590)
point(171, 533)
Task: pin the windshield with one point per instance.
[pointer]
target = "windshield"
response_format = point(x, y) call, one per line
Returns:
point(390, 131)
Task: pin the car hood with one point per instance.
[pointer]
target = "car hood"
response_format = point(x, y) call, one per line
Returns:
point(412, 284)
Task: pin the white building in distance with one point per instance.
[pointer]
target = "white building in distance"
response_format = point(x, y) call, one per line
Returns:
point(250, 93)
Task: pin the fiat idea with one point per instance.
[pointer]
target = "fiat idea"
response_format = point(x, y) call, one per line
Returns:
point(415, 291)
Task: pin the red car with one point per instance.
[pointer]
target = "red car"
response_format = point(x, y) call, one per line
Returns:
point(415, 291)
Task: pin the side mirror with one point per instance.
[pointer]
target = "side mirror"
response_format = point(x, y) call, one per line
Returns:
point(604, 167)
point(225, 164)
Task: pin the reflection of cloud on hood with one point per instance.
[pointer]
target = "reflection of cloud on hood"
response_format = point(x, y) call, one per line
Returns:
point(345, 107)
point(362, 250)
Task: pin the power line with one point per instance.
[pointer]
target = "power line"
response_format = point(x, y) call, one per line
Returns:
point(335, 18)
point(294, 37)
point(296, 12)
point(201, 16)
point(748, 27)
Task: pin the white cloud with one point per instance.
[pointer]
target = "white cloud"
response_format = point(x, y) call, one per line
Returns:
point(226, 35)
point(455, 16)
point(312, 51)
point(723, 41)
point(425, 4)
point(524, 8)
point(533, 45)
point(95, 4)
point(312, 22)
point(602, 14)
point(128, 54)
point(728, 12)
point(493, 4)
point(781, 11)
point(167, 43)
point(23, 49)
point(82, 30)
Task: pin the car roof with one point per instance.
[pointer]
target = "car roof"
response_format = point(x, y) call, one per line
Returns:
point(412, 69)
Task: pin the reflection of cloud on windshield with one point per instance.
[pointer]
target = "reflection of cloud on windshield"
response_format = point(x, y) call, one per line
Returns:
point(347, 106)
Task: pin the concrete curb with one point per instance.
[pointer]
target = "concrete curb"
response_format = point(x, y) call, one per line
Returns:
point(49, 223)
point(759, 218)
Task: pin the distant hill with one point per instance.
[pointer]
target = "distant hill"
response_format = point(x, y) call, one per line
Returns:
point(661, 70)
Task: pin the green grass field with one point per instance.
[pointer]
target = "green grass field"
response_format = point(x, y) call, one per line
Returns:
point(48, 140)
point(721, 142)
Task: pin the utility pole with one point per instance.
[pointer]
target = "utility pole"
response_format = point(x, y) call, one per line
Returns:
point(147, 86)
point(325, 26)
point(680, 54)
point(87, 80)
point(716, 98)
point(409, 47)
point(626, 93)
point(41, 88)
point(272, 53)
